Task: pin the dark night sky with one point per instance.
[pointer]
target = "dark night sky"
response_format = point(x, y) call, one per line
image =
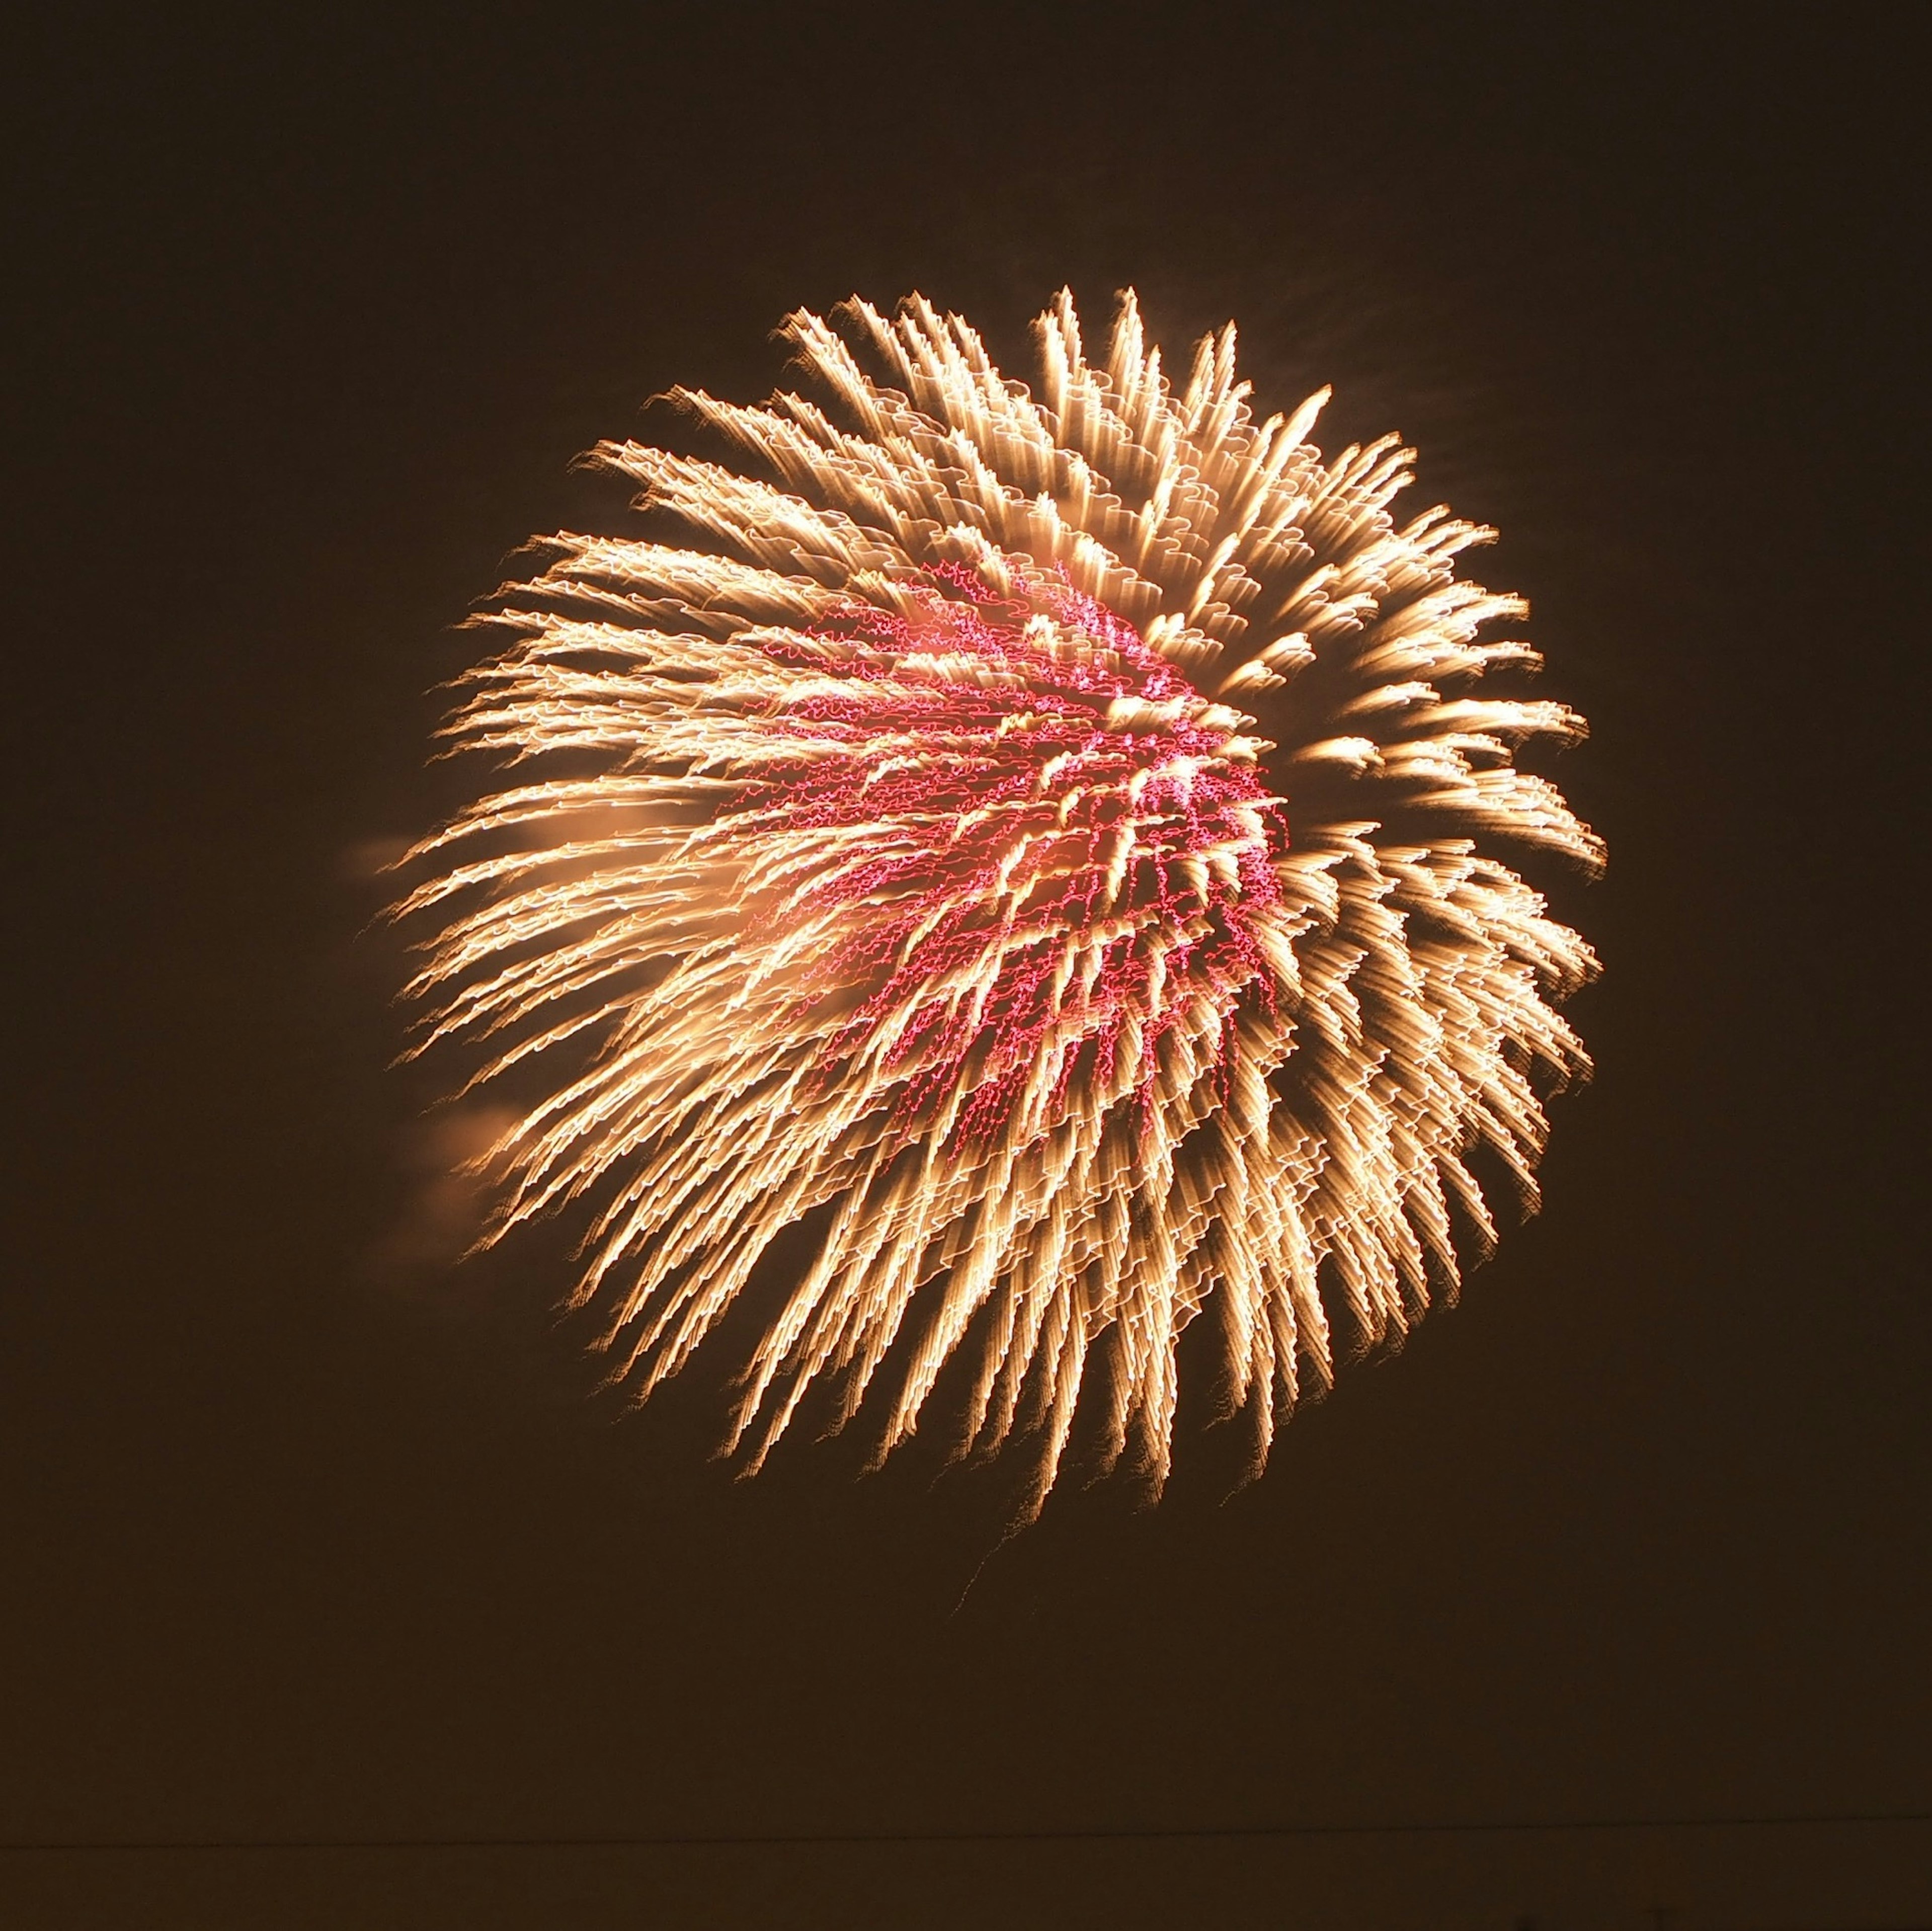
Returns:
point(304, 1546)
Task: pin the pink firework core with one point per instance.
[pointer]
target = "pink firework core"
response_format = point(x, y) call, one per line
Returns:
point(1055, 852)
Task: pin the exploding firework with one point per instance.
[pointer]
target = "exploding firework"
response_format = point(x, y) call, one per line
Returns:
point(1043, 840)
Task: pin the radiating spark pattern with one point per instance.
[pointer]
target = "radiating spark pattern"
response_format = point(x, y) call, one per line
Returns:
point(1045, 837)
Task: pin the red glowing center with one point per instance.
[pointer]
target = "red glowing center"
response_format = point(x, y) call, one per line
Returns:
point(1062, 860)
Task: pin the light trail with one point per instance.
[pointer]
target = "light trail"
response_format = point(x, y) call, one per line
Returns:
point(1053, 837)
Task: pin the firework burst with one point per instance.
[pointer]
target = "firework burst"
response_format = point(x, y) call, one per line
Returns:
point(1045, 837)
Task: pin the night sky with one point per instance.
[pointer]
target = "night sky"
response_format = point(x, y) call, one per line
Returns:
point(329, 1571)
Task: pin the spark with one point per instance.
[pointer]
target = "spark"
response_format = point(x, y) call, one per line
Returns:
point(1050, 837)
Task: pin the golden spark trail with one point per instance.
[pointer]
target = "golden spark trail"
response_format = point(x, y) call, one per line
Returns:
point(1049, 834)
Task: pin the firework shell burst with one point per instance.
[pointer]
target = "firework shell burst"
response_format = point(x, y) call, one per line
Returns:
point(1046, 838)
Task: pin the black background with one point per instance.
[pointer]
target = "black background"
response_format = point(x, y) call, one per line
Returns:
point(311, 1543)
